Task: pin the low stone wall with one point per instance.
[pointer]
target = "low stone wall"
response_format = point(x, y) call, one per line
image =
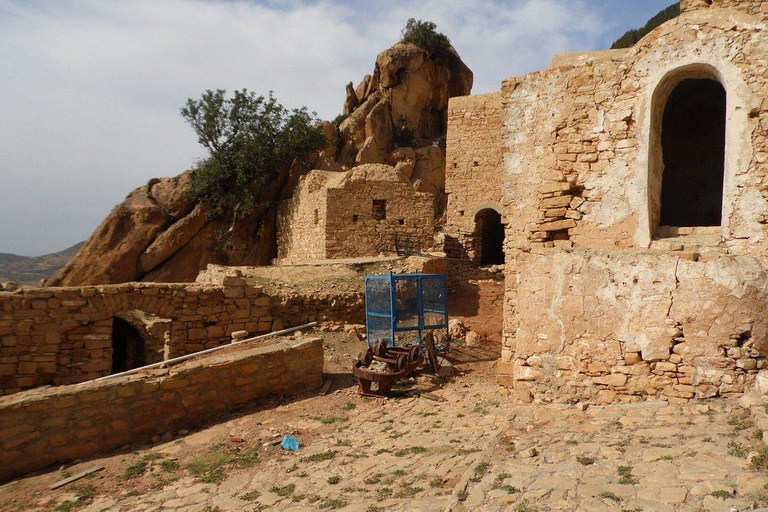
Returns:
point(65, 335)
point(43, 427)
point(624, 326)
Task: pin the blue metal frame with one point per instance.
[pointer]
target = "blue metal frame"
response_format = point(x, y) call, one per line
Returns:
point(393, 316)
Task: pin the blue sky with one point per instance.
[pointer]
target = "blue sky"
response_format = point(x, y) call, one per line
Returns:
point(90, 90)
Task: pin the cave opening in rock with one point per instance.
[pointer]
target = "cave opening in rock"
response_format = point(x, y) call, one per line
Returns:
point(128, 347)
point(693, 149)
point(490, 231)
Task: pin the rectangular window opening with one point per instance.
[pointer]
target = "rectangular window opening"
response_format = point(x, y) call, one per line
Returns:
point(379, 209)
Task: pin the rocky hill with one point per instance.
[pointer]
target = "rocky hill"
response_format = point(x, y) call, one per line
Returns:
point(395, 116)
point(26, 270)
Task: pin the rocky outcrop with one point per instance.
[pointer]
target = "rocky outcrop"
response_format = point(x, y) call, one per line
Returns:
point(160, 233)
point(397, 116)
point(403, 104)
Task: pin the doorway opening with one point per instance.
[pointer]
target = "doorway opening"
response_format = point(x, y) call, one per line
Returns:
point(128, 347)
point(490, 232)
point(693, 152)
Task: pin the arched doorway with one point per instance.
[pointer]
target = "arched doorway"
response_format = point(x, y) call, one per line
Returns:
point(693, 153)
point(489, 237)
point(128, 347)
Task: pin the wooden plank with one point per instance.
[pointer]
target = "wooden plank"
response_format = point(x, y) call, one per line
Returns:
point(326, 387)
point(73, 478)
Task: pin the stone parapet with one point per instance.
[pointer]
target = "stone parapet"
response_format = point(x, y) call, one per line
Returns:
point(56, 425)
point(65, 335)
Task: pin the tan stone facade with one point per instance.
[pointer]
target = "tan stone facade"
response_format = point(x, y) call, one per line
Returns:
point(68, 335)
point(368, 211)
point(42, 427)
point(473, 182)
point(630, 275)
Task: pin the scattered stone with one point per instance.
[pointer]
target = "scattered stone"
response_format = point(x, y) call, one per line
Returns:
point(239, 335)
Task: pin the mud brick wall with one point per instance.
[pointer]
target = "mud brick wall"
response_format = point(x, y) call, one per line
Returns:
point(64, 335)
point(473, 174)
point(43, 427)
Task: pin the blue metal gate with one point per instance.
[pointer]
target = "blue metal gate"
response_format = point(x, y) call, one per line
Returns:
point(400, 307)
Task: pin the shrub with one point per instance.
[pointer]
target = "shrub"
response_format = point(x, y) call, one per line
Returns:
point(250, 139)
point(423, 34)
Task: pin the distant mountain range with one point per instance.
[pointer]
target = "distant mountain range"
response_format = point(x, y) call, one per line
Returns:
point(27, 270)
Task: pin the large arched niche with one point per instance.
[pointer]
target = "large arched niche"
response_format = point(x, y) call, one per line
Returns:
point(688, 144)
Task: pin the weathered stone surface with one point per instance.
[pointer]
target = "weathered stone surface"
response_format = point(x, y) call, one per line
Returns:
point(370, 210)
point(173, 239)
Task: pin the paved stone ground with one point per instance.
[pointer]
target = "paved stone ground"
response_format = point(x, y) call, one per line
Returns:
point(473, 451)
point(646, 456)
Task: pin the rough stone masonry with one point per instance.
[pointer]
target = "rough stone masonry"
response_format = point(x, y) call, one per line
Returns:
point(635, 206)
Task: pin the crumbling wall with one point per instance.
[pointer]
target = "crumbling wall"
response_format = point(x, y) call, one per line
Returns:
point(583, 174)
point(756, 7)
point(582, 162)
point(373, 212)
point(43, 427)
point(64, 335)
point(302, 219)
point(634, 325)
point(474, 170)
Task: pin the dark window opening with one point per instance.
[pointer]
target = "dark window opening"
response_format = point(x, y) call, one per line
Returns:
point(693, 149)
point(355, 218)
point(491, 233)
point(379, 209)
point(128, 348)
point(401, 221)
point(317, 217)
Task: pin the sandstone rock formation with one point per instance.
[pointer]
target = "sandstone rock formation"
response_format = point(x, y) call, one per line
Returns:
point(396, 116)
point(402, 105)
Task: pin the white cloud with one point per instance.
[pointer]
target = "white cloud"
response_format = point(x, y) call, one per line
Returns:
point(90, 90)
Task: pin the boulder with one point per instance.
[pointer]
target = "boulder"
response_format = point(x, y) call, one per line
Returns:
point(111, 254)
point(174, 238)
point(429, 170)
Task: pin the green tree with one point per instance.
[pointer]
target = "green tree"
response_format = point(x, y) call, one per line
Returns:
point(631, 37)
point(424, 35)
point(250, 139)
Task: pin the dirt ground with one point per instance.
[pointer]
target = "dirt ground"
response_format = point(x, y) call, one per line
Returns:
point(245, 441)
point(454, 444)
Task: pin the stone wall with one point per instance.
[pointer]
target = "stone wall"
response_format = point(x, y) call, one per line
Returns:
point(756, 7)
point(634, 325)
point(64, 335)
point(583, 172)
point(302, 219)
point(355, 228)
point(370, 210)
point(473, 180)
point(43, 427)
point(582, 164)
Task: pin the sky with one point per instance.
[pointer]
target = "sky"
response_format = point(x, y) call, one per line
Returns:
point(90, 90)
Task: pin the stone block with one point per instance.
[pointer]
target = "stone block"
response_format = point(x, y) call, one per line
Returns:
point(558, 225)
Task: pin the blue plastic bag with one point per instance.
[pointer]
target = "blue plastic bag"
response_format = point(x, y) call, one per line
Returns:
point(291, 443)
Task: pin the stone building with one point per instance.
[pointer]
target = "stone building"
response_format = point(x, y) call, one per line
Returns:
point(473, 179)
point(634, 195)
point(369, 210)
